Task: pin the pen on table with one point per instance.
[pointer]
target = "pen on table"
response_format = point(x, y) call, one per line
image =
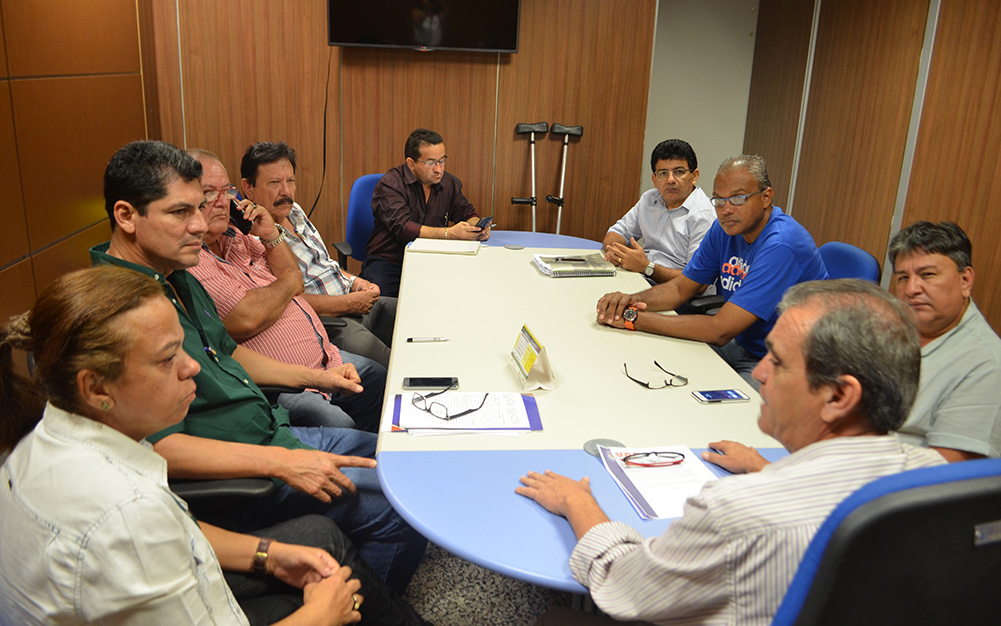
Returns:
point(425, 339)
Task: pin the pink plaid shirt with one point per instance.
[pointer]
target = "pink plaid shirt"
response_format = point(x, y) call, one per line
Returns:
point(298, 337)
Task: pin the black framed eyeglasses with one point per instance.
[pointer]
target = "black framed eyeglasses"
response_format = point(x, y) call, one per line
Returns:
point(734, 200)
point(654, 459)
point(438, 409)
point(675, 380)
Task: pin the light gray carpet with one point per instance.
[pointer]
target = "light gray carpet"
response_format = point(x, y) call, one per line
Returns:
point(450, 591)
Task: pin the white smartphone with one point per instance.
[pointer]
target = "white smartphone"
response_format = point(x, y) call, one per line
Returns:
point(431, 382)
point(720, 395)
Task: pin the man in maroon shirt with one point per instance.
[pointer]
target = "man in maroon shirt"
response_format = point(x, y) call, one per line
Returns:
point(416, 199)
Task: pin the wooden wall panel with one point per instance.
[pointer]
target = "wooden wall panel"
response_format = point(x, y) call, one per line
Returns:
point(69, 254)
point(101, 34)
point(865, 69)
point(18, 289)
point(67, 129)
point(780, 55)
point(389, 93)
point(3, 49)
point(957, 161)
point(15, 237)
point(257, 71)
point(580, 62)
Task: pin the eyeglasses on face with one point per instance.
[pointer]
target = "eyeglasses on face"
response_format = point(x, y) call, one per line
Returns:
point(443, 161)
point(675, 380)
point(733, 200)
point(677, 172)
point(211, 193)
point(439, 410)
point(654, 459)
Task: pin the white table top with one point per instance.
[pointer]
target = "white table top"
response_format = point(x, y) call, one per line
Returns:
point(481, 302)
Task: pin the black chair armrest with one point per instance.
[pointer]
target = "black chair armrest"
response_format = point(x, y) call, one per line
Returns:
point(343, 252)
point(332, 322)
point(271, 392)
point(239, 487)
point(706, 305)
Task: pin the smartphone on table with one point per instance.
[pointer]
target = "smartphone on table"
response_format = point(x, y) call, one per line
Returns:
point(719, 396)
point(430, 382)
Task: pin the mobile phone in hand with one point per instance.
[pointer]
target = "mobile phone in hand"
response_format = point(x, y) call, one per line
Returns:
point(236, 216)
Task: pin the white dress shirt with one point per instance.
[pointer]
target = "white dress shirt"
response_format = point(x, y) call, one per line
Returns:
point(91, 533)
point(730, 558)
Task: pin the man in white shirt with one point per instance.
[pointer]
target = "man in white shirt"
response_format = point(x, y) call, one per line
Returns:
point(671, 219)
point(841, 371)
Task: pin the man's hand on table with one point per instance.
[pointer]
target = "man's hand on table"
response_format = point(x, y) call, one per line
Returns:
point(611, 306)
point(734, 457)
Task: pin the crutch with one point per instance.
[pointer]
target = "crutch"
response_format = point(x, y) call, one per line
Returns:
point(566, 131)
point(530, 129)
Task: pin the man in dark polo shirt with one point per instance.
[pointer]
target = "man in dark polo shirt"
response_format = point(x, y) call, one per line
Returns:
point(154, 200)
point(416, 199)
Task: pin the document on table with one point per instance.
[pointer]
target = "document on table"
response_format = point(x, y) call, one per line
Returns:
point(442, 246)
point(657, 492)
point(501, 412)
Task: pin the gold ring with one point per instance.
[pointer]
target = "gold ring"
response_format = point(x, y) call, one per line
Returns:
point(354, 597)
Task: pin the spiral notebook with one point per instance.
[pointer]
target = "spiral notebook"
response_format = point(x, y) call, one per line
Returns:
point(573, 265)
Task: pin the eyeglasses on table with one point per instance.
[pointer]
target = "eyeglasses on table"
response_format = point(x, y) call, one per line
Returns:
point(438, 409)
point(654, 459)
point(675, 380)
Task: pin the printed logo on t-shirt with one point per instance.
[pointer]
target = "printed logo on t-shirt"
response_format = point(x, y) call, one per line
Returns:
point(733, 273)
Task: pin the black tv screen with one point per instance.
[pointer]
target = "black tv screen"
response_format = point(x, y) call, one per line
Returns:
point(471, 25)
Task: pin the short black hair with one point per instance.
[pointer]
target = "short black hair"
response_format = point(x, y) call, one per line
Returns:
point(139, 172)
point(262, 153)
point(943, 238)
point(418, 138)
point(674, 149)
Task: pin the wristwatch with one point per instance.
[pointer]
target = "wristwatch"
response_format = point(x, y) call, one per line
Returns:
point(649, 269)
point(629, 316)
point(282, 235)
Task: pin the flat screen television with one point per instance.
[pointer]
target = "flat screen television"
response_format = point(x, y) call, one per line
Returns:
point(469, 25)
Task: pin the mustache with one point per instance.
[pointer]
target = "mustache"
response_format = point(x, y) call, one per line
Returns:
point(283, 200)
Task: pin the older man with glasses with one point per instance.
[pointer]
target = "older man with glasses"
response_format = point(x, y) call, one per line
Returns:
point(671, 219)
point(753, 249)
point(416, 199)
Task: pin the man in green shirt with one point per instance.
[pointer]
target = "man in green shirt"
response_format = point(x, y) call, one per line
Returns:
point(154, 201)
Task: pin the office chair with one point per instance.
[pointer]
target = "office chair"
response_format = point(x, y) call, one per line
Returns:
point(919, 547)
point(844, 260)
point(359, 220)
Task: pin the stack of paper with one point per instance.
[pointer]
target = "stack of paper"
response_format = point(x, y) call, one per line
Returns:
point(444, 246)
point(569, 266)
point(657, 492)
point(502, 413)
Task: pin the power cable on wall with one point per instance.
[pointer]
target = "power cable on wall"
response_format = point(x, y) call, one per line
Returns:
point(326, 103)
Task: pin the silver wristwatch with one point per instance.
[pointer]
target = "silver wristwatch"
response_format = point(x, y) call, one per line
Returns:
point(282, 235)
point(649, 269)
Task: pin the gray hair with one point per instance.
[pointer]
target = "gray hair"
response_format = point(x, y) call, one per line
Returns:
point(863, 332)
point(754, 164)
point(943, 238)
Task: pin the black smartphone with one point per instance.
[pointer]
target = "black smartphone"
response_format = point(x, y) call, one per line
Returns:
point(430, 382)
point(236, 216)
point(484, 222)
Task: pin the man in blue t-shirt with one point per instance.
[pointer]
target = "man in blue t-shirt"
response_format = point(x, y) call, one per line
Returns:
point(755, 250)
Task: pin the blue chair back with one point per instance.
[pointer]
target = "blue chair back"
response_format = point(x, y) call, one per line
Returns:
point(360, 218)
point(919, 547)
point(844, 260)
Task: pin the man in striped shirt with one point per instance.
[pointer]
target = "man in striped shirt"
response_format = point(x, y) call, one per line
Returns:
point(840, 373)
point(257, 290)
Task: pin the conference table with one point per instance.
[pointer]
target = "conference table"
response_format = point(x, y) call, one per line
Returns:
point(458, 489)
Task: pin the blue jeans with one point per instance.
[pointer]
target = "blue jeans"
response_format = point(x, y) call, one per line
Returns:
point(360, 410)
point(387, 543)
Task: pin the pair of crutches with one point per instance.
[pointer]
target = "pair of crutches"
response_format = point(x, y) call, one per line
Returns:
point(557, 129)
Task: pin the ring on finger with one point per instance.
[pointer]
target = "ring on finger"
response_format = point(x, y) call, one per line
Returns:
point(357, 601)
